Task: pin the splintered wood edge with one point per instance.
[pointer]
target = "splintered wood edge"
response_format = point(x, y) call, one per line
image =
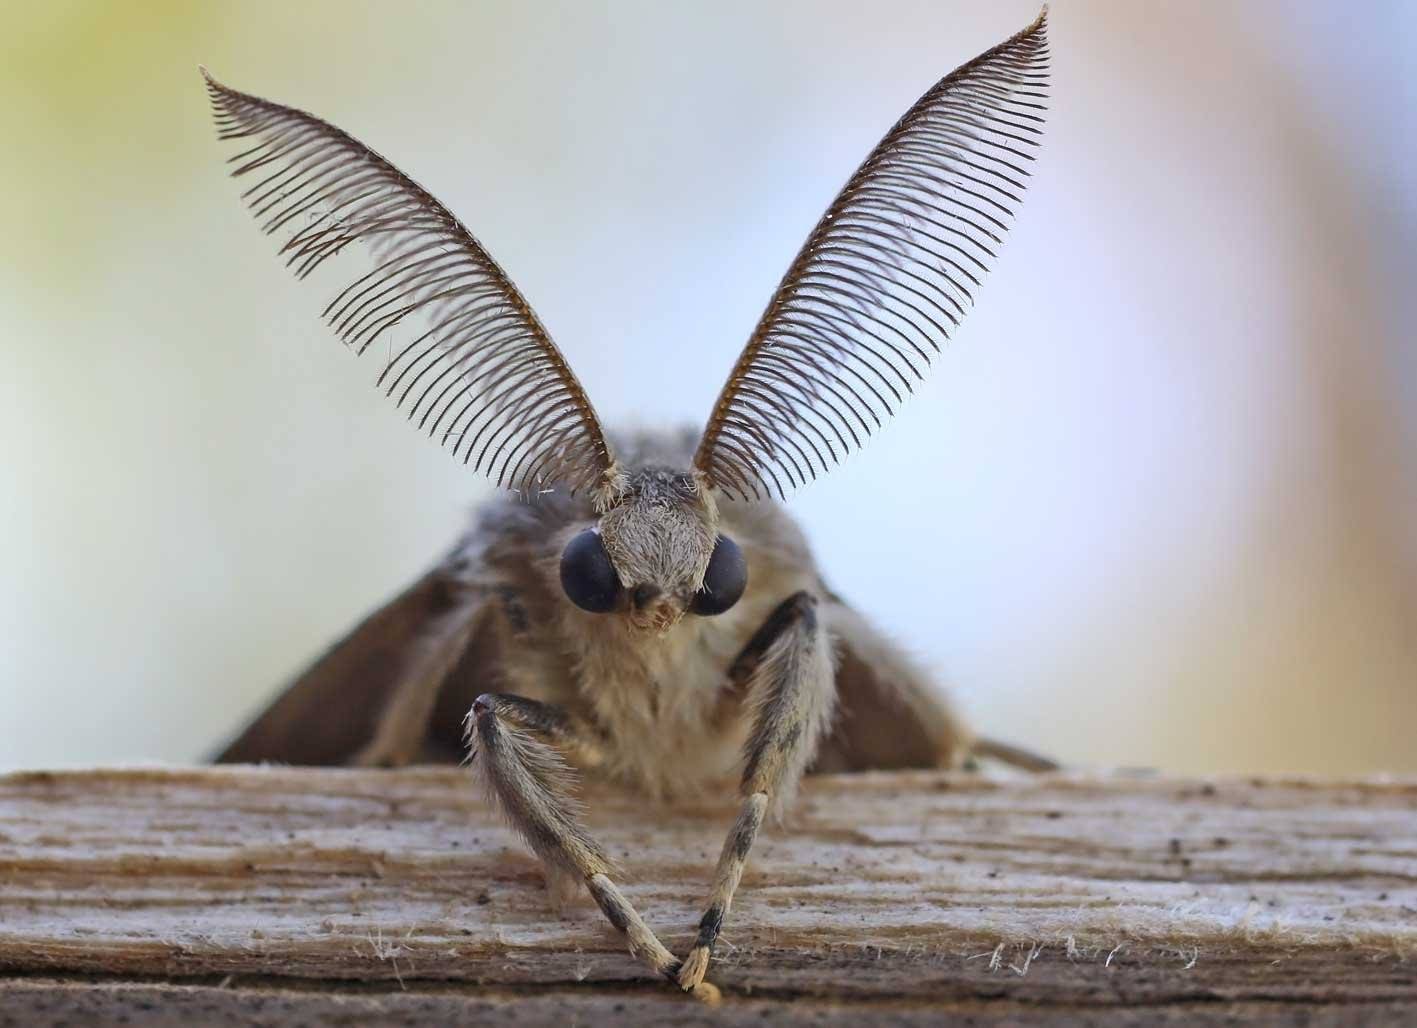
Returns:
point(880, 888)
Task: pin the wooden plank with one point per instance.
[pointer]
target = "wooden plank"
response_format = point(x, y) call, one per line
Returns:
point(884, 892)
point(31, 1002)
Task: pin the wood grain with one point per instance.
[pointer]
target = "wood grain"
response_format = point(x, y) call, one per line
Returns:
point(393, 894)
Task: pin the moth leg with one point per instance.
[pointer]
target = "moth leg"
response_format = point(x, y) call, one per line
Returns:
point(516, 749)
point(785, 671)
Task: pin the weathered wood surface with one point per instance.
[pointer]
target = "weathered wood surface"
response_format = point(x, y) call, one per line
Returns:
point(232, 895)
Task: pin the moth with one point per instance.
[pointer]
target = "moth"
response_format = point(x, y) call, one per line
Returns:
point(640, 608)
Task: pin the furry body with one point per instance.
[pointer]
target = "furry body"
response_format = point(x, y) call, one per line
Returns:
point(664, 717)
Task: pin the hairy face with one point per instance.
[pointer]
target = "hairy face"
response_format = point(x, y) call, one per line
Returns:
point(660, 537)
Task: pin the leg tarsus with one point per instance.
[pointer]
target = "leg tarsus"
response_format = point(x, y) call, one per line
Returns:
point(731, 863)
point(532, 785)
point(695, 966)
point(618, 911)
point(787, 670)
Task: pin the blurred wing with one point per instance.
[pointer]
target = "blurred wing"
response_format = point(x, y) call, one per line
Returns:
point(477, 370)
point(886, 275)
point(334, 710)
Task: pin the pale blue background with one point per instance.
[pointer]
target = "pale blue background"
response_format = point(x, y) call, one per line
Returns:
point(1157, 505)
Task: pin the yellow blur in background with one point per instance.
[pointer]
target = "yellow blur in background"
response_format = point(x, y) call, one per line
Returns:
point(1157, 505)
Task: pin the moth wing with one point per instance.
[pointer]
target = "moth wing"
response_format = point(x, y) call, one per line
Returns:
point(892, 715)
point(433, 634)
point(889, 712)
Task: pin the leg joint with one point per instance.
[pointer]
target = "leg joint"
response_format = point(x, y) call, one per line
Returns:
point(521, 712)
point(799, 609)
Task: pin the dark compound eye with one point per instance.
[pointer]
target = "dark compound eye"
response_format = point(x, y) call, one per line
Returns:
point(724, 581)
point(587, 576)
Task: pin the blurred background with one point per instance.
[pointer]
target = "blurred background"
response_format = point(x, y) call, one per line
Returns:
point(1157, 505)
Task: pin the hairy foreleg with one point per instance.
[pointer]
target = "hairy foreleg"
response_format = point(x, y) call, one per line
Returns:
point(786, 674)
point(533, 786)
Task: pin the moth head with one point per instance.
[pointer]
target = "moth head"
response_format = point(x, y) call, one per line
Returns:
point(655, 554)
